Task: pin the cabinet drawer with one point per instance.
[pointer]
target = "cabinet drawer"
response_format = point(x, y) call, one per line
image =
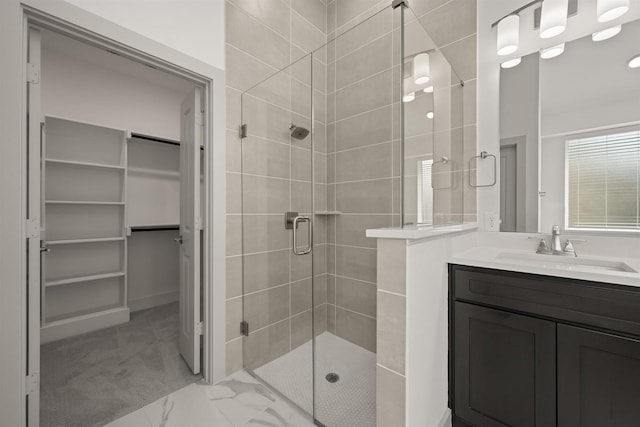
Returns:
point(613, 307)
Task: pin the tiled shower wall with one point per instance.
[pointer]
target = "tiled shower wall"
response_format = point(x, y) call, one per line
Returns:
point(357, 159)
point(262, 37)
point(362, 179)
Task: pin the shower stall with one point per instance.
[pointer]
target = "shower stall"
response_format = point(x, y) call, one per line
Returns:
point(340, 141)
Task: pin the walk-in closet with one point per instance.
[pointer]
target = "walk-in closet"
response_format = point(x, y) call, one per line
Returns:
point(111, 206)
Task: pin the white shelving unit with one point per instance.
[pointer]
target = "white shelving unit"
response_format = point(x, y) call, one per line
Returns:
point(84, 287)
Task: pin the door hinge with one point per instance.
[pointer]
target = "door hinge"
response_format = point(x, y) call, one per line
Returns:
point(33, 73)
point(244, 328)
point(32, 384)
point(32, 229)
point(243, 131)
point(199, 328)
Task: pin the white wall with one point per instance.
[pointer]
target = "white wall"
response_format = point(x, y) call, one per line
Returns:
point(427, 325)
point(12, 210)
point(122, 101)
point(194, 27)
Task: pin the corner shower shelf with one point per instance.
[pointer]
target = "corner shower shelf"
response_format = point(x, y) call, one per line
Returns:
point(328, 213)
point(80, 279)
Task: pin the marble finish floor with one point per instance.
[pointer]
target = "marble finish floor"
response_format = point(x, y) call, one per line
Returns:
point(349, 402)
point(92, 379)
point(237, 401)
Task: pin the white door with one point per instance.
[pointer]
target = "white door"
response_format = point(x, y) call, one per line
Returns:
point(191, 125)
point(508, 186)
point(35, 227)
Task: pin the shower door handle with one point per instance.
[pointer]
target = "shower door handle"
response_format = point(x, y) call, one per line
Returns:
point(296, 221)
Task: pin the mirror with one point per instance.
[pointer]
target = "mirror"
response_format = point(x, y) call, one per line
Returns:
point(570, 137)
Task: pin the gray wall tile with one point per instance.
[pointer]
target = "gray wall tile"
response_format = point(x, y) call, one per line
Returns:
point(364, 163)
point(266, 307)
point(390, 399)
point(364, 129)
point(264, 270)
point(392, 265)
point(266, 344)
point(451, 22)
point(391, 331)
point(356, 296)
point(357, 263)
point(351, 229)
point(273, 13)
point(265, 158)
point(356, 328)
point(364, 95)
point(264, 195)
point(234, 317)
point(364, 196)
point(313, 11)
point(249, 35)
point(368, 60)
point(233, 356)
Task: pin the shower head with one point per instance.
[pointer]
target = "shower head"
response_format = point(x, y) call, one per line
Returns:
point(298, 132)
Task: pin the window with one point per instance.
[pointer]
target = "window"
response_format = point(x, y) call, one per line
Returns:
point(603, 182)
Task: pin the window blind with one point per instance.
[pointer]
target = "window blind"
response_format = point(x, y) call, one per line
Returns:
point(603, 181)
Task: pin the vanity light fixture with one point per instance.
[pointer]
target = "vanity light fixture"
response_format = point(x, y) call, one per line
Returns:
point(421, 69)
point(508, 35)
point(428, 89)
point(605, 34)
point(634, 62)
point(552, 52)
point(429, 114)
point(409, 97)
point(608, 10)
point(511, 63)
point(553, 19)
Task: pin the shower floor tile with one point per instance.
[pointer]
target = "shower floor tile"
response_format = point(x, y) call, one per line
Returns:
point(351, 401)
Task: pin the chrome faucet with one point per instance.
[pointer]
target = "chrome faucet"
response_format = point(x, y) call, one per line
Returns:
point(555, 239)
point(556, 246)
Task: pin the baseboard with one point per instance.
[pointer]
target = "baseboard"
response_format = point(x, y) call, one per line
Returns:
point(152, 301)
point(83, 324)
point(445, 421)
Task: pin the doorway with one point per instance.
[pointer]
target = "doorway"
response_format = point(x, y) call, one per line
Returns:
point(119, 152)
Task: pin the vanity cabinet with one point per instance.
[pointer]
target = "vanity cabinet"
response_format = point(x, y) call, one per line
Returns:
point(539, 351)
point(598, 378)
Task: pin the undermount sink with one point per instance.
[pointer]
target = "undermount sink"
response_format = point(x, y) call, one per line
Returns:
point(567, 263)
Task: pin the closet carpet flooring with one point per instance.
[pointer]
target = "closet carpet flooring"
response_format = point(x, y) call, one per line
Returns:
point(95, 378)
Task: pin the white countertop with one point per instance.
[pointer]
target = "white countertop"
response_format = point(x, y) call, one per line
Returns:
point(491, 257)
point(418, 233)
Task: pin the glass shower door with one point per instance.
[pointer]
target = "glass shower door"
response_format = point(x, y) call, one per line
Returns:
point(276, 225)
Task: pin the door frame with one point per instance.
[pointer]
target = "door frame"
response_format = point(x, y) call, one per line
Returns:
point(77, 23)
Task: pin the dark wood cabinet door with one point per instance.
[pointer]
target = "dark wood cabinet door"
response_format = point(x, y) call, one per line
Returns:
point(505, 368)
point(598, 379)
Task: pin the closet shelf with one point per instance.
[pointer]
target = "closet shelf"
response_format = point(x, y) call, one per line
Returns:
point(80, 202)
point(76, 241)
point(79, 279)
point(328, 213)
point(83, 164)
